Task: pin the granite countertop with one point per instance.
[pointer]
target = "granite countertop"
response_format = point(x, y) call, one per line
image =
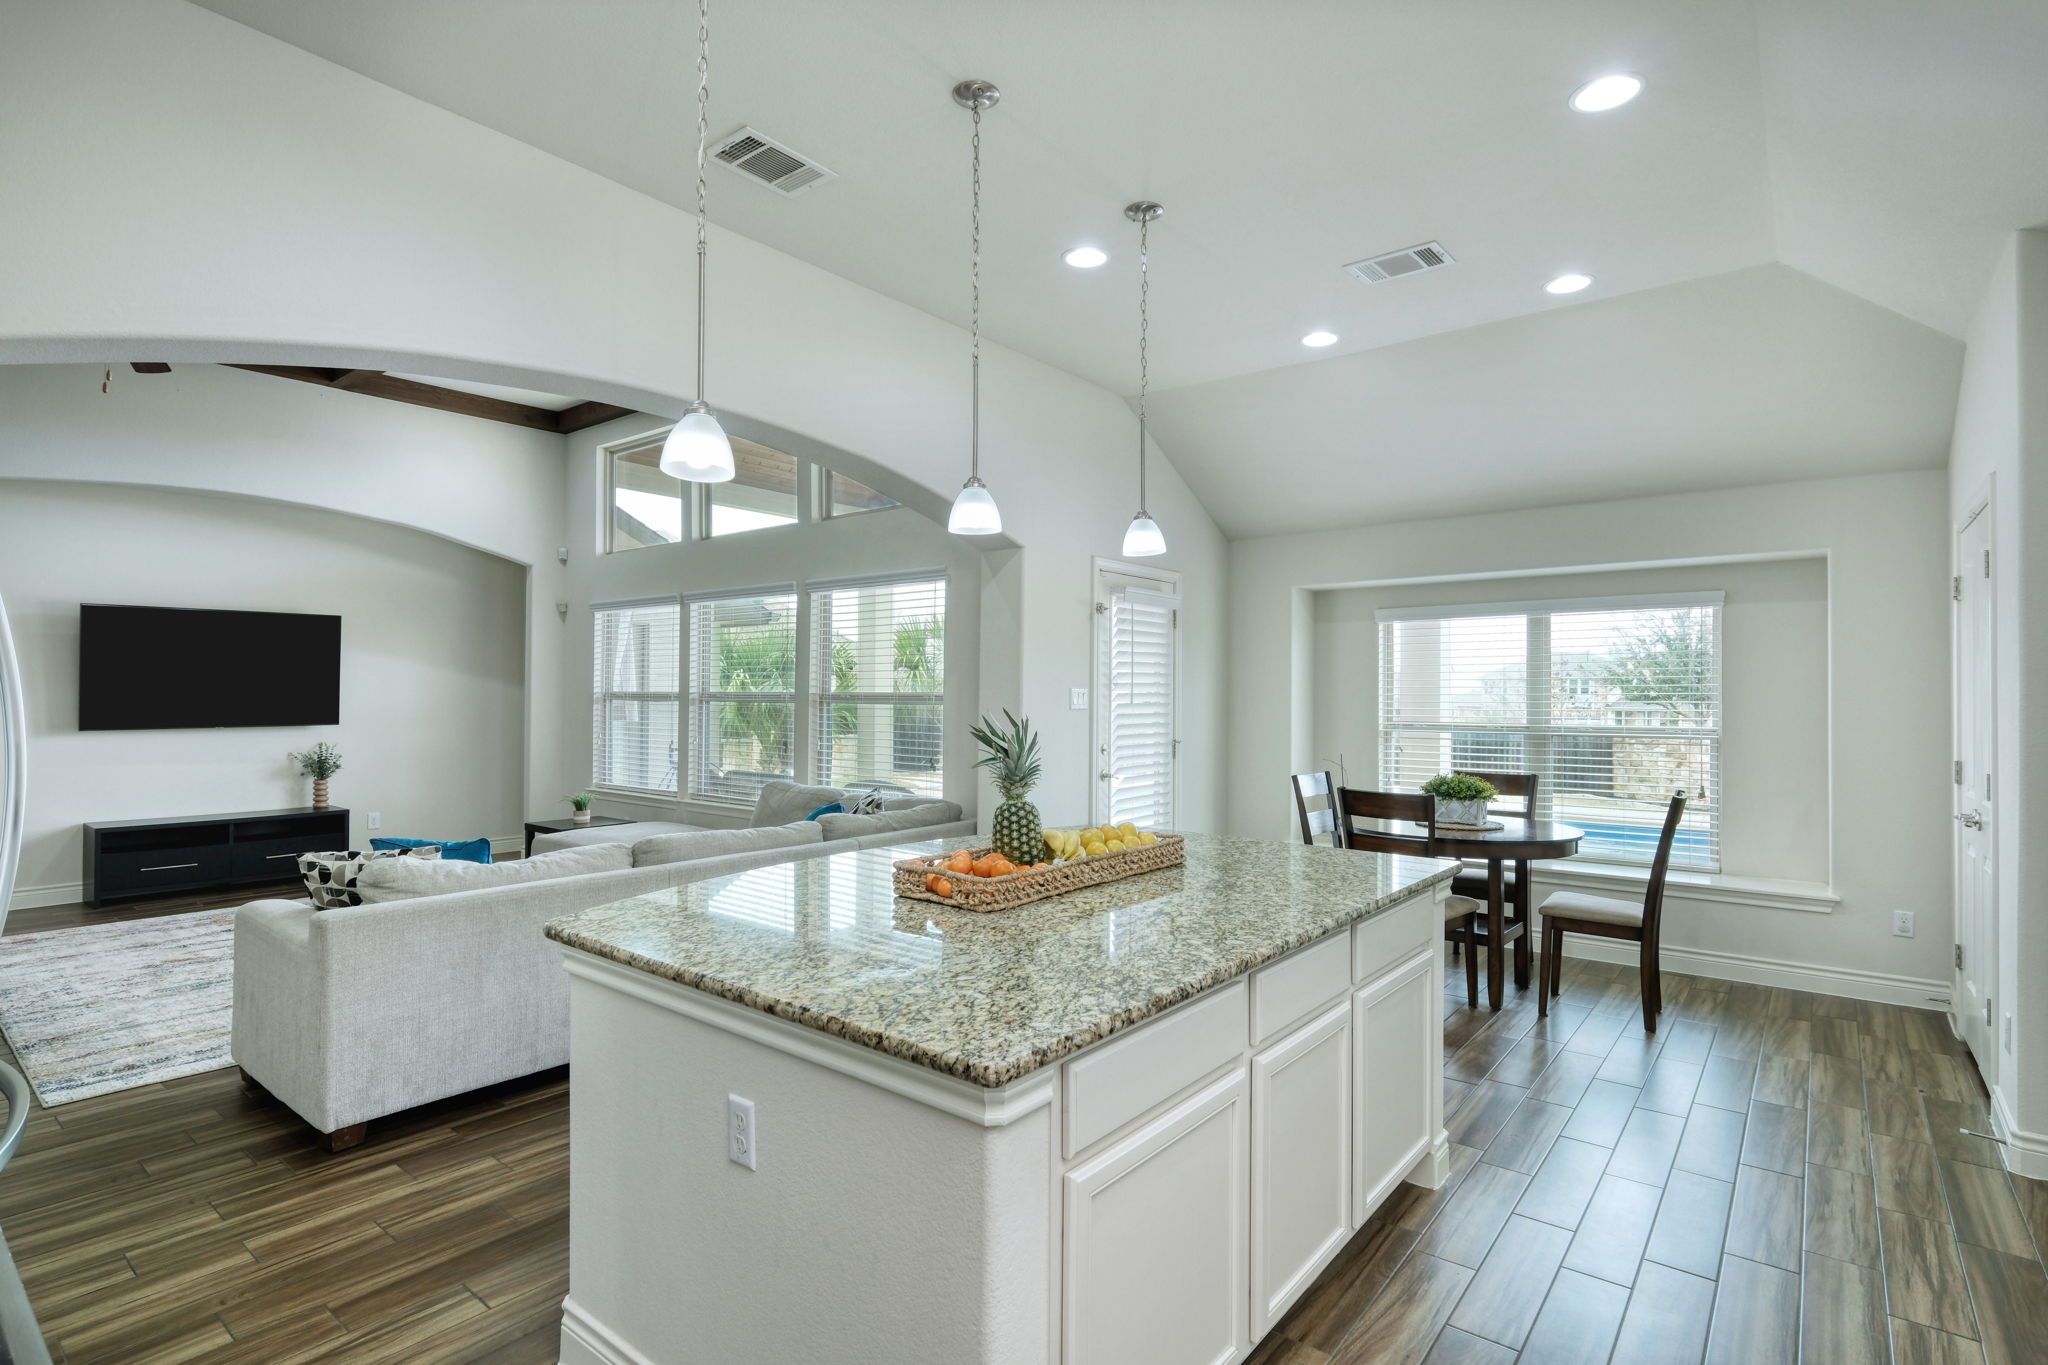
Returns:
point(989, 998)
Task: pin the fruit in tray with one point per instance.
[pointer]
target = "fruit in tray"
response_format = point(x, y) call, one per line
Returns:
point(1069, 844)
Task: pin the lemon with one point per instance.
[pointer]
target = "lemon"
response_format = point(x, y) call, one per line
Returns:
point(1146, 840)
point(1115, 845)
point(1096, 850)
point(1127, 831)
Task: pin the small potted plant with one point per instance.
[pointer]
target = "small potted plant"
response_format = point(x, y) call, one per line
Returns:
point(1460, 799)
point(320, 762)
point(579, 807)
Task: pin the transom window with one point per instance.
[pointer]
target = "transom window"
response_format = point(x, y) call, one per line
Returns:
point(769, 488)
point(1614, 703)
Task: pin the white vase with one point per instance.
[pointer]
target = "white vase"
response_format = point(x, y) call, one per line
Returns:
point(581, 817)
point(1460, 814)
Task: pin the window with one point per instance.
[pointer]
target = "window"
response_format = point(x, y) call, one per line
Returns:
point(761, 493)
point(879, 678)
point(634, 725)
point(742, 694)
point(845, 496)
point(646, 504)
point(1138, 620)
point(1613, 703)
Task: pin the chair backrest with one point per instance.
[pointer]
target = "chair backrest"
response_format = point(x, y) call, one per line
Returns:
point(1315, 804)
point(1521, 786)
point(1364, 805)
point(1653, 899)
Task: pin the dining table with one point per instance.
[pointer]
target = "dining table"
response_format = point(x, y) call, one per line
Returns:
point(1520, 841)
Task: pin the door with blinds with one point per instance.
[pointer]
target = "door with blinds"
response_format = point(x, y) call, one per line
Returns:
point(1137, 721)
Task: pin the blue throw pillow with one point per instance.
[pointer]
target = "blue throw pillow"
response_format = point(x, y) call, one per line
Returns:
point(461, 850)
point(835, 808)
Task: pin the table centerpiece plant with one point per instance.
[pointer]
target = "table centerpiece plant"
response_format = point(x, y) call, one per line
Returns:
point(1460, 799)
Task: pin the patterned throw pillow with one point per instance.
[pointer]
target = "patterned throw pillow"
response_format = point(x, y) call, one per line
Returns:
point(868, 802)
point(331, 877)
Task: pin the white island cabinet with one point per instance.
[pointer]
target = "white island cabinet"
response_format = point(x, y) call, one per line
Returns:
point(814, 1122)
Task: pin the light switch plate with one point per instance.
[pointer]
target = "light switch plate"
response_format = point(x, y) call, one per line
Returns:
point(374, 820)
point(1077, 699)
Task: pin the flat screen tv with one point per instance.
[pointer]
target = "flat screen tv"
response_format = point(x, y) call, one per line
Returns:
point(171, 668)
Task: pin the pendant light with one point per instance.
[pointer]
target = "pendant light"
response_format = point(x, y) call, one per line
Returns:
point(974, 510)
point(1143, 536)
point(697, 449)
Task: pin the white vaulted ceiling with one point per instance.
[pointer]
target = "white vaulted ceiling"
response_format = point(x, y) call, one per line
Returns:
point(1884, 147)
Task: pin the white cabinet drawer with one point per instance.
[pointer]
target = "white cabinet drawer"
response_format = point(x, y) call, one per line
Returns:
point(1395, 935)
point(1108, 1086)
point(1290, 990)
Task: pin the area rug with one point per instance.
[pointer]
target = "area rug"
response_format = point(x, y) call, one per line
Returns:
point(108, 1007)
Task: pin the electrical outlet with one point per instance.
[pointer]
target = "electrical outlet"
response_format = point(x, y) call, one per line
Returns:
point(1077, 699)
point(1902, 923)
point(740, 1138)
point(374, 820)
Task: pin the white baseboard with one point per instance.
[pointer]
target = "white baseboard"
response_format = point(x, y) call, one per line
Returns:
point(1883, 987)
point(58, 893)
point(586, 1341)
point(2025, 1153)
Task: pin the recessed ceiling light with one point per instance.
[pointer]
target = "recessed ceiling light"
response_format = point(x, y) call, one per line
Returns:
point(1602, 93)
point(1319, 339)
point(1085, 257)
point(1568, 284)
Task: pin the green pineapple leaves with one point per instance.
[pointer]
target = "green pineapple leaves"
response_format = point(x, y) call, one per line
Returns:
point(1012, 757)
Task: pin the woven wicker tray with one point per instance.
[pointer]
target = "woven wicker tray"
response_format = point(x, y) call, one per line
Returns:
point(1026, 885)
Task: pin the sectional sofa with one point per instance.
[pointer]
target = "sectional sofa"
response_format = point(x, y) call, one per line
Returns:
point(443, 983)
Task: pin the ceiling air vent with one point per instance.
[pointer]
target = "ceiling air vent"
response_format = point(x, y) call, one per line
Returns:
point(1407, 261)
point(768, 161)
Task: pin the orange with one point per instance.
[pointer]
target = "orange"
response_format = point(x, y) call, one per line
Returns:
point(962, 863)
point(938, 885)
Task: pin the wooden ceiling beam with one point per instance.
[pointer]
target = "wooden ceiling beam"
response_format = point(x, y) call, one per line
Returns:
point(588, 415)
point(149, 367)
point(376, 384)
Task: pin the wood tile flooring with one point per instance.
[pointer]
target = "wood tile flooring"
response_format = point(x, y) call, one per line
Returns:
point(1773, 1177)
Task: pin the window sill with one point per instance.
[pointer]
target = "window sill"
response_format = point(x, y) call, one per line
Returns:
point(1768, 893)
point(635, 796)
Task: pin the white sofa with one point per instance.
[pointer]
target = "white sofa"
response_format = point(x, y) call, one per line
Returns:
point(347, 1015)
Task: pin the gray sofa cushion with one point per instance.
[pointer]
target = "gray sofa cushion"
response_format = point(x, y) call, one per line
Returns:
point(397, 879)
point(888, 822)
point(781, 803)
point(942, 812)
point(609, 834)
point(716, 843)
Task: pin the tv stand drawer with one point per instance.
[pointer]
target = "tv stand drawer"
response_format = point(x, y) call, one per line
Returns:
point(126, 873)
point(277, 859)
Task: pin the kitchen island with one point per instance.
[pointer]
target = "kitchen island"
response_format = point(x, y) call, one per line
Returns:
point(812, 1121)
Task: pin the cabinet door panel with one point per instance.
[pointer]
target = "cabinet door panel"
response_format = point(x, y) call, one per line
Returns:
point(1301, 1160)
point(1394, 1078)
point(1157, 1244)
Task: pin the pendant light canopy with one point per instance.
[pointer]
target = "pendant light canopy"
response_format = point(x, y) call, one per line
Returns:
point(697, 448)
point(974, 510)
point(1143, 536)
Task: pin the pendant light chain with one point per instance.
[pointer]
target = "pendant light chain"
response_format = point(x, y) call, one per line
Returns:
point(703, 140)
point(1144, 336)
point(974, 439)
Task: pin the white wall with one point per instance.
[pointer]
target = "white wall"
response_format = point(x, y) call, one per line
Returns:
point(2001, 448)
point(896, 539)
point(1774, 683)
point(1884, 544)
point(276, 207)
point(432, 689)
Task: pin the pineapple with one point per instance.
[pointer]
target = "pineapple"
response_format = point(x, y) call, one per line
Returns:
point(1012, 760)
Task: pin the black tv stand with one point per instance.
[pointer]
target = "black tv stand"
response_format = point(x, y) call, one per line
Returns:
point(130, 859)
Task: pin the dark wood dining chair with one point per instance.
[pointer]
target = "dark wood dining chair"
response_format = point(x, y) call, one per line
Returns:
point(1315, 805)
point(1462, 924)
point(1575, 912)
point(1521, 787)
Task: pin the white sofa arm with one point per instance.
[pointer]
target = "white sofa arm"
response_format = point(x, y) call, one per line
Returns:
point(280, 995)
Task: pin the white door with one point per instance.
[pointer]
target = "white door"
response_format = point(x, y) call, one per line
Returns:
point(1156, 1243)
point(1137, 743)
point(1394, 1078)
point(1301, 1160)
point(1976, 968)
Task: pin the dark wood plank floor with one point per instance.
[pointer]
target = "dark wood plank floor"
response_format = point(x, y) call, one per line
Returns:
point(1773, 1177)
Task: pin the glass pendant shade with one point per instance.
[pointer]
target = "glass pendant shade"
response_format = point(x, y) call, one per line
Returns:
point(697, 449)
point(974, 511)
point(1143, 537)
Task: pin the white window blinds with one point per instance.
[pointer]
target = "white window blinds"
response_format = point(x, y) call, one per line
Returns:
point(742, 694)
point(1613, 704)
point(878, 681)
point(637, 664)
point(1138, 685)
